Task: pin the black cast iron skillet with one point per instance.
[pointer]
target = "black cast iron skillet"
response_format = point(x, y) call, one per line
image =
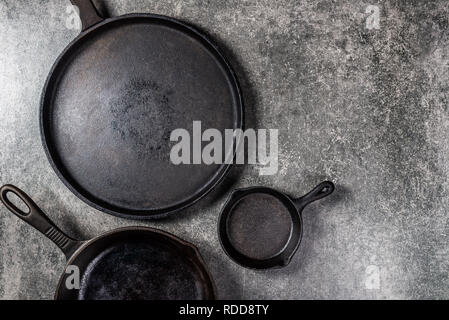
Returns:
point(112, 100)
point(261, 228)
point(134, 263)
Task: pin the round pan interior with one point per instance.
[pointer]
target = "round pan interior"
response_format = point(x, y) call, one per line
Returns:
point(114, 97)
point(138, 264)
point(260, 228)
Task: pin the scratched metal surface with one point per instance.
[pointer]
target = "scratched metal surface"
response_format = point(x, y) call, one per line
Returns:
point(364, 108)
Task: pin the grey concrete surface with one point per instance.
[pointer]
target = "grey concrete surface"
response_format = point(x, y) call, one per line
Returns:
point(367, 109)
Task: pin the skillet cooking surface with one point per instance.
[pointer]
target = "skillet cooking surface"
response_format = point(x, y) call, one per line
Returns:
point(139, 271)
point(137, 264)
point(259, 226)
point(112, 101)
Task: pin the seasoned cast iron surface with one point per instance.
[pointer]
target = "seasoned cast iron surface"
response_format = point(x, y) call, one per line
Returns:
point(121, 94)
point(259, 226)
point(367, 109)
point(140, 271)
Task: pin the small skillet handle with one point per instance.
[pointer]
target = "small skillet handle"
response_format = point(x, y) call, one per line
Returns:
point(323, 190)
point(36, 218)
point(88, 13)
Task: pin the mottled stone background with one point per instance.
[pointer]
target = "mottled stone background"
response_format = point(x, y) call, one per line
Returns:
point(367, 109)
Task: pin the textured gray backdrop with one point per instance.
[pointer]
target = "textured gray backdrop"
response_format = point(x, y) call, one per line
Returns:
point(367, 109)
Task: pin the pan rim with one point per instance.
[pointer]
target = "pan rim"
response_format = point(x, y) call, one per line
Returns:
point(194, 255)
point(156, 212)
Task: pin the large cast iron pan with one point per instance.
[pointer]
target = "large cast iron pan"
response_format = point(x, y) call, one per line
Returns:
point(261, 228)
point(114, 96)
point(126, 264)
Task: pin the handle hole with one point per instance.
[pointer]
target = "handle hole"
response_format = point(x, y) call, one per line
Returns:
point(20, 206)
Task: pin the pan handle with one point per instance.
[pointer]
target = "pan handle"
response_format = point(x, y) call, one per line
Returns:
point(88, 13)
point(323, 190)
point(37, 218)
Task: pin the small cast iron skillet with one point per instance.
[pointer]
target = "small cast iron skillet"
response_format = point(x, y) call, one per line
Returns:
point(133, 263)
point(261, 228)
